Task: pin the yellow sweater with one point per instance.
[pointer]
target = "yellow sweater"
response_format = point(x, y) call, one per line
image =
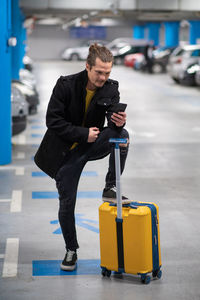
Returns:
point(88, 98)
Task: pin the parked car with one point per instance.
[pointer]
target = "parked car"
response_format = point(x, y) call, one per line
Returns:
point(27, 78)
point(140, 63)
point(160, 59)
point(19, 108)
point(187, 77)
point(128, 49)
point(31, 95)
point(118, 43)
point(181, 58)
point(197, 76)
point(80, 52)
point(130, 59)
point(28, 63)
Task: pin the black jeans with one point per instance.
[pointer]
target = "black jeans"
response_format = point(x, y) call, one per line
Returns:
point(68, 176)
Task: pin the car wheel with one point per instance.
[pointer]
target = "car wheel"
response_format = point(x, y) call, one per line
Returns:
point(176, 80)
point(188, 81)
point(74, 57)
point(157, 68)
point(118, 61)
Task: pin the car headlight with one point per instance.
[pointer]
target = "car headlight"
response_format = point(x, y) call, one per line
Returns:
point(193, 69)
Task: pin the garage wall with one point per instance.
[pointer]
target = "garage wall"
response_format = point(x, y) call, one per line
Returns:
point(48, 42)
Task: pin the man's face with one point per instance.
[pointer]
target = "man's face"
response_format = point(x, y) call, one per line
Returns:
point(98, 74)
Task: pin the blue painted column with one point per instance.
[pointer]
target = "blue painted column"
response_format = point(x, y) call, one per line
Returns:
point(171, 34)
point(18, 32)
point(24, 38)
point(154, 33)
point(194, 31)
point(138, 31)
point(5, 83)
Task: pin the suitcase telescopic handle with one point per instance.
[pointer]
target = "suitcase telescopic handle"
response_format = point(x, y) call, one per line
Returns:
point(117, 143)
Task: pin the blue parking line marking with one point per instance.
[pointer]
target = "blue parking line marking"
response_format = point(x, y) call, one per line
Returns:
point(52, 195)
point(52, 268)
point(38, 174)
point(37, 127)
point(36, 135)
point(83, 174)
point(44, 195)
point(80, 221)
point(89, 174)
point(34, 121)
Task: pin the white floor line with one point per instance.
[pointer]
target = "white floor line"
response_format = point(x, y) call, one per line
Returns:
point(196, 129)
point(20, 155)
point(5, 200)
point(141, 134)
point(11, 258)
point(19, 171)
point(14, 168)
point(16, 201)
point(19, 139)
point(2, 255)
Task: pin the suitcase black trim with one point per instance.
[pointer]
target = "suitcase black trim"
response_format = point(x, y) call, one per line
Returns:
point(120, 244)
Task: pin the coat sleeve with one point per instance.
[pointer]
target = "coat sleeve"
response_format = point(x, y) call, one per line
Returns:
point(55, 117)
point(115, 99)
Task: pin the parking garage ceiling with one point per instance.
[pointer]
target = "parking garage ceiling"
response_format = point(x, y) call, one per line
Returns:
point(134, 11)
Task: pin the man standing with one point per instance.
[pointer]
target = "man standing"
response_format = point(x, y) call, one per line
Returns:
point(76, 134)
point(148, 54)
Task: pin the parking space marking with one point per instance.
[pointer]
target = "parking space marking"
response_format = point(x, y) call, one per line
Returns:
point(10, 265)
point(36, 135)
point(5, 200)
point(19, 139)
point(16, 201)
point(196, 129)
point(19, 171)
point(54, 195)
point(141, 134)
point(52, 268)
point(39, 174)
point(89, 174)
point(38, 127)
point(19, 155)
point(80, 221)
point(83, 174)
point(16, 169)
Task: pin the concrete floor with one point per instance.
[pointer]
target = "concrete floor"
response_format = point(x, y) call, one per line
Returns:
point(163, 166)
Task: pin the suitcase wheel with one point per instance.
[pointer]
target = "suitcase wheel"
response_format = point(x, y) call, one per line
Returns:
point(145, 279)
point(157, 273)
point(105, 272)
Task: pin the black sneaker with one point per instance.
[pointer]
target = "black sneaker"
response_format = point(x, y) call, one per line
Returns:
point(109, 195)
point(69, 262)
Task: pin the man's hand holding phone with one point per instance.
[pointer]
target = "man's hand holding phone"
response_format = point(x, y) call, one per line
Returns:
point(119, 116)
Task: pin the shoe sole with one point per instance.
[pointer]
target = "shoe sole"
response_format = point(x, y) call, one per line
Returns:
point(68, 268)
point(111, 200)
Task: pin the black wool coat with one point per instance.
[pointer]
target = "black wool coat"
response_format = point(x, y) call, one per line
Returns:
point(65, 115)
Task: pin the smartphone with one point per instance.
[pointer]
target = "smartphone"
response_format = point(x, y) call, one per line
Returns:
point(118, 107)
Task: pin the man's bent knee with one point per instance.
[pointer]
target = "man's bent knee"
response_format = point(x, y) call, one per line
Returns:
point(125, 135)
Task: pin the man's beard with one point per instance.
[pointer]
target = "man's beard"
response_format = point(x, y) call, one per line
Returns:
point(99, 83)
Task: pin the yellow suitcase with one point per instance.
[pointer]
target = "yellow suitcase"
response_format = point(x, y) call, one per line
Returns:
point(129, 235)
point(135, 248)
